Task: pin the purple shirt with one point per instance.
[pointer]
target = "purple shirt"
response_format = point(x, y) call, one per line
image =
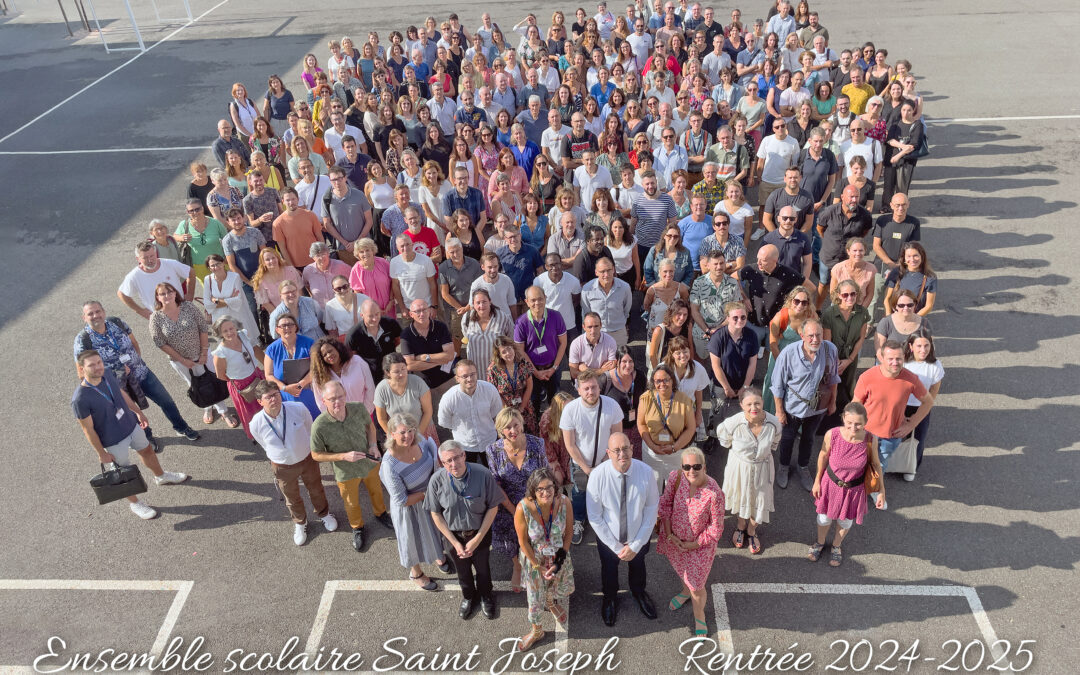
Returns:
point(541, 339)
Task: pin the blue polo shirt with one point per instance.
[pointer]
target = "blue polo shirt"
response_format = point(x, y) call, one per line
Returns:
point(541, 339)
point(693, 233)
point(520, 267)
point(100, 403)
point(734, 354)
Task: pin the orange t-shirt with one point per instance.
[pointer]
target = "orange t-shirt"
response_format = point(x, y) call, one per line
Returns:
point(885, 399)
point(296, 232)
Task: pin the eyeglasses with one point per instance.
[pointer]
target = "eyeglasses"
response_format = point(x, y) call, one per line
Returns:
point(622, 450)
point(341, 289)
point(287, 326)
point(721, 223)
point(849, 295)
point(905, 305)
point(691, 467)
point(668, 137)
point(661, 380)
point(738, 318)
point(545, 490)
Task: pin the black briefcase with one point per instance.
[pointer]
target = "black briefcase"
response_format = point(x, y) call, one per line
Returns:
point(117, 483)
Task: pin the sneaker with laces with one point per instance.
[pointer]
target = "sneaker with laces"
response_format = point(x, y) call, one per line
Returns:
point(189, 434)
point(579, 532)
point(909, 477)
point(299, 535)
point(757, 234)
point(143, 511)
point(329, 522)
point(782, 476)
point(171, 478)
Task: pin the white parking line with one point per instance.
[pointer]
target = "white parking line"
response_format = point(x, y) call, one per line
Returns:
point(725, 644)
point(117, 69)
point(181, 588)
point(101, 150)
point(332, 588)
point(944, 120)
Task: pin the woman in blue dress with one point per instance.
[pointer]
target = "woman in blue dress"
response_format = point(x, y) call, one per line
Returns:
point(290, 345)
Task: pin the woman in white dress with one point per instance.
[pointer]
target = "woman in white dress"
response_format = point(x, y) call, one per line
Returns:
point(738, 210)
point(433, 187)
point(223, 294)
point(751, 435)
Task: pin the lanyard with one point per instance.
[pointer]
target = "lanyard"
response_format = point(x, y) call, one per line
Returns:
point(112, 395)
point(512, 378)
point(663, 417)
point(463, 493)
point(630, 391)
point(547, 525)
point(284, 421)
point(539, 333)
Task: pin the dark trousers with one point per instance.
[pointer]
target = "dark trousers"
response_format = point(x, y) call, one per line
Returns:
point(473, 573)
point(545, 390)
point(156, 392)
point(808, 427)
point(609, 571)
point(920, 432)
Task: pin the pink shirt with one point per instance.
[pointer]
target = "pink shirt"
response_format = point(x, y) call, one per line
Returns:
point(319, 283)
point(268, 290)
point(375, 283)
point(359, 385)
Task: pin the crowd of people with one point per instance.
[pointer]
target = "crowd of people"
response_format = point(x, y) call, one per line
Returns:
point(523, 291)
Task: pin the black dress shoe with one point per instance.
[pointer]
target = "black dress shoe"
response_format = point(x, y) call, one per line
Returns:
point(487, 606)
point(607, 611)
point(467, 608)
point(645, 604)
point(358, 539)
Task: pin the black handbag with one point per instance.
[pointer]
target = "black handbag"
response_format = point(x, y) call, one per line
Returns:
point(117, 483)
point(206, 389)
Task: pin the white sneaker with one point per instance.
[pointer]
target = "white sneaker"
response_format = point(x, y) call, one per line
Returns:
point(757, 235)
point(171, 478)
point(299, 535)
point(143, 511)
point(761, 353)
point(330, 522)
point(909, 477)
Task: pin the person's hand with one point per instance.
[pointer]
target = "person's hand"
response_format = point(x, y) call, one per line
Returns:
point(472, 544)
point(548, 572)
point(266, 217)
point(842, 366)
point(751, 181)
point(460, 550)
point(729, 392)
point(463, 310)
point(782, 416)
point(235, 293)
point(352, 456)
point(373, 451)
point(201, 360)
point(143, 422)
point(627, 554)
point(895, 160)
point(183, 237)
point(672, 539)
point(294, 389)
point(187, 363)
point(880, 501)
point(902, 430)
point(608, 365)
point(144, 313)
point(818, 205)
point(816, 490)
point(106, 458)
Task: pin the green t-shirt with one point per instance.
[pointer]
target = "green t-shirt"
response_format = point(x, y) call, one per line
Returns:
point(204, 243)
point(328, 436)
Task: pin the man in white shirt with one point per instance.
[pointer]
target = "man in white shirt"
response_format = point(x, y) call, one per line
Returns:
point(622, 501)
point(137, 289)
point(551, 139)
point(560, 287)
point(413, 276)
point(863, 146)
point(775, 155)
point(590, 177)
point(311, 188)
point(586, 423)
point(641, 43)
point(498, 285)
point(442, 110)
point(332, 136)
point(468, 410)
point(627, 191)
point(283, 429)
point(670, 156)
point(488, 104)
point(593, 349)
point(716, 60)
point(605, 20)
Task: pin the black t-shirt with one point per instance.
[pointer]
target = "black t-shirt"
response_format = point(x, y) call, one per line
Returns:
point(766, 292)
point(200, 192)
point(838, 228)
point(585, 265)
point(356, 173)
point(816, 172)
point(415, 344)
point(803, 203)
point(910, 134)
point(894, 235)
point(371, 350)
point(573, 146)
point(627, 400)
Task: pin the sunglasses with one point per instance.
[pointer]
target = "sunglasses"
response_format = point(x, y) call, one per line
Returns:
point(340, 289)
point(691, 467)
point(800, 302)
point(906, 305)
point(848, 295)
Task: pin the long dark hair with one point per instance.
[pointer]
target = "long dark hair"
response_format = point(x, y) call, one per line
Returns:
point(320, 371)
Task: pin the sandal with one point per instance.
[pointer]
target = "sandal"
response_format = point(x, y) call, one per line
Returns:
point(700, 628)
point(738, 539)
point(678, 601)
point(814, 554)
point(836, 556)
point(755, 544)
point(558, 612)
point(429, 586)
point(232, 420)
point(210, 416)
point(516, 588)
point(529, 640)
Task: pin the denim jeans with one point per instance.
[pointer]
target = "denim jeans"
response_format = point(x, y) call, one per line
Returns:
point(886, 447)
point(577, 498)
point(156, 392)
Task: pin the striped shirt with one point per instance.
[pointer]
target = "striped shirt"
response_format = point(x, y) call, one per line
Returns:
point(652, 215)
point(479, 342)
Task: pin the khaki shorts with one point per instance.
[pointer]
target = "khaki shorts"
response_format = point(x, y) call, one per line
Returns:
point(136, 441)
point(766, 189)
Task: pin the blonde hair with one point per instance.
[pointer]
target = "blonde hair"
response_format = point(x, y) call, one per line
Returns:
point(506, 417)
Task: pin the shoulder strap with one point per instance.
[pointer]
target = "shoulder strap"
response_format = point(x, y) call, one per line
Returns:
point(596, 436)
point(326, 206)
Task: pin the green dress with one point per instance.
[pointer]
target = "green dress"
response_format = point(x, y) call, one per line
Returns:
point(789, 336)
point(541, 591)
point(845, 335)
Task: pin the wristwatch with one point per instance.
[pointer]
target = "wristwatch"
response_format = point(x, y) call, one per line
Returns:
point(426, 358)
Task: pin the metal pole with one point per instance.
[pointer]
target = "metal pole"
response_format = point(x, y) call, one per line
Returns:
point(135, 25)
point(187, 6)
point(64, 14)
point(82, 15)
point(93, 13)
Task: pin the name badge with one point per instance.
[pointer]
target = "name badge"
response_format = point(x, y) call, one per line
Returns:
point(254, 248)
point(633, 415)
point(119, 413)
point(124, 358)
point(540, 350)
point(547, 551)
point(896, 235)
point(663, 437)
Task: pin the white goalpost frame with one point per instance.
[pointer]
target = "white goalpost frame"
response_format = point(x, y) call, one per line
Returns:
point(135, 24)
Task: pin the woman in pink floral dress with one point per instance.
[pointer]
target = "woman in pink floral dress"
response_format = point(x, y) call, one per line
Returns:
point(692, 517)
point(840, 496)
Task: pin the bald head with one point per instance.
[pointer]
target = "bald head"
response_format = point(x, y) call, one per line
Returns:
point(767, 256)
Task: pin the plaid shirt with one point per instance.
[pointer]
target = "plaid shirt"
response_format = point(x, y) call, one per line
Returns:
point(713, 195)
